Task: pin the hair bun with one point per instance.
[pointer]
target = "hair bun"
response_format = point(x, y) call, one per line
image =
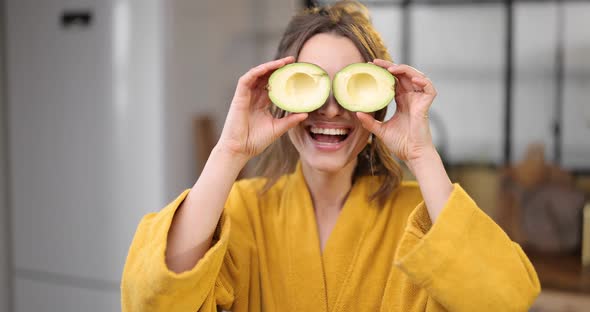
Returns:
point(349, 7)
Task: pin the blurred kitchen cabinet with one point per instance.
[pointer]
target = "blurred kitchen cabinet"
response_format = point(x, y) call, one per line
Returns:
point(481, 183)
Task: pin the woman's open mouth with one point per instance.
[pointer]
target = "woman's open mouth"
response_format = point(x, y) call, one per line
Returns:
point(328, 135)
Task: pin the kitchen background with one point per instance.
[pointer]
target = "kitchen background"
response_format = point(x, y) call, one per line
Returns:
point(109, 107)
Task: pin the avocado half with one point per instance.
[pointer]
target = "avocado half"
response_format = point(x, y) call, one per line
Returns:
point(299, 87)
point(364, 87)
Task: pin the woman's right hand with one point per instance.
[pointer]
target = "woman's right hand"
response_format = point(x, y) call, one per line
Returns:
point(249, 127)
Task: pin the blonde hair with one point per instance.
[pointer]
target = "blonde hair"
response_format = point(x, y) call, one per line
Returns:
point(349, 19)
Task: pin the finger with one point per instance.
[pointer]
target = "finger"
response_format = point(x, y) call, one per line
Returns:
point(284, 124)
point(425, 84)
point(405, 74)
point(368, 122)
point(383, 63)
point(405, 69)
point(263, 69)
point(249, 79)
point(403, 82)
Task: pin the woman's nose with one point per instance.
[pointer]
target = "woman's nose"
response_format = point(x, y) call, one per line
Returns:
point(331, 108)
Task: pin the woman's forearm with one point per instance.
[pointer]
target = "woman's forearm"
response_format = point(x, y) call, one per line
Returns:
point(435, 185)
point(195, 220)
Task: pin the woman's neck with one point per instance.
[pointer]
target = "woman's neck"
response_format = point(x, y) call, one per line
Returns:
point(328, 190)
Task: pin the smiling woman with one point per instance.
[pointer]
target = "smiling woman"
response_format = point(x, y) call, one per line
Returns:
point(328, 225)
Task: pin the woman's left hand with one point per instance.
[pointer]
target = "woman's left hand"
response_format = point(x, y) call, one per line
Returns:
point(407, 133)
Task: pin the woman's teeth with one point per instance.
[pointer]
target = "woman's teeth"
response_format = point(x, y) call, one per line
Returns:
point(328, 136)
point(329, 131)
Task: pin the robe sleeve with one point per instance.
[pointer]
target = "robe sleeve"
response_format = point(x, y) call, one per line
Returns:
point(464, 260)
point(149, 285)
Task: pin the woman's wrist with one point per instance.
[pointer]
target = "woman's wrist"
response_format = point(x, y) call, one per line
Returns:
point(227, 159)
point(421, 165)
point(434, 182)
point(227, 153)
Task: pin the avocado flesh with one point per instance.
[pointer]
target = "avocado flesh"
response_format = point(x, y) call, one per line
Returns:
point(299, 87)
point(364, 87)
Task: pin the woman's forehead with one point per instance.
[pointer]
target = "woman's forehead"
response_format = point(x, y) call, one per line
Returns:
point(330, 51)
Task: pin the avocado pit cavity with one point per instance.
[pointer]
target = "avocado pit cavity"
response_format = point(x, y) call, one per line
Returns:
point(299, 87)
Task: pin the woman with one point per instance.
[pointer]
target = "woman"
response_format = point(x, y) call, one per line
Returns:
point(329, 227)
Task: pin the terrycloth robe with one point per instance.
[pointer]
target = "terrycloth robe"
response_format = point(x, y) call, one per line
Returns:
point(266, 256)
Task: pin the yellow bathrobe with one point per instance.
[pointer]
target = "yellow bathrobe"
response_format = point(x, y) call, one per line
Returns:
point(266, 257)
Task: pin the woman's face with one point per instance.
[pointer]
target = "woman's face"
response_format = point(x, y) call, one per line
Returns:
point(331, 137)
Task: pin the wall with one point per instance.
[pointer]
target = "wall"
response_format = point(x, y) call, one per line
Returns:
point(208, 46)
point(5, 266)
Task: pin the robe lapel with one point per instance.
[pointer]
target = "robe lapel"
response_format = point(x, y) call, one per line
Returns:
point(345, 241)
point(306, 273)
point(323, 277)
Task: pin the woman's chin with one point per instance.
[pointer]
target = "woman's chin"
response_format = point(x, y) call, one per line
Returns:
point(330, 165)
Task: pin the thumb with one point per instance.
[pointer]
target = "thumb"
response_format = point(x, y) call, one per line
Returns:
point(370, 123)
point(284, 124)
